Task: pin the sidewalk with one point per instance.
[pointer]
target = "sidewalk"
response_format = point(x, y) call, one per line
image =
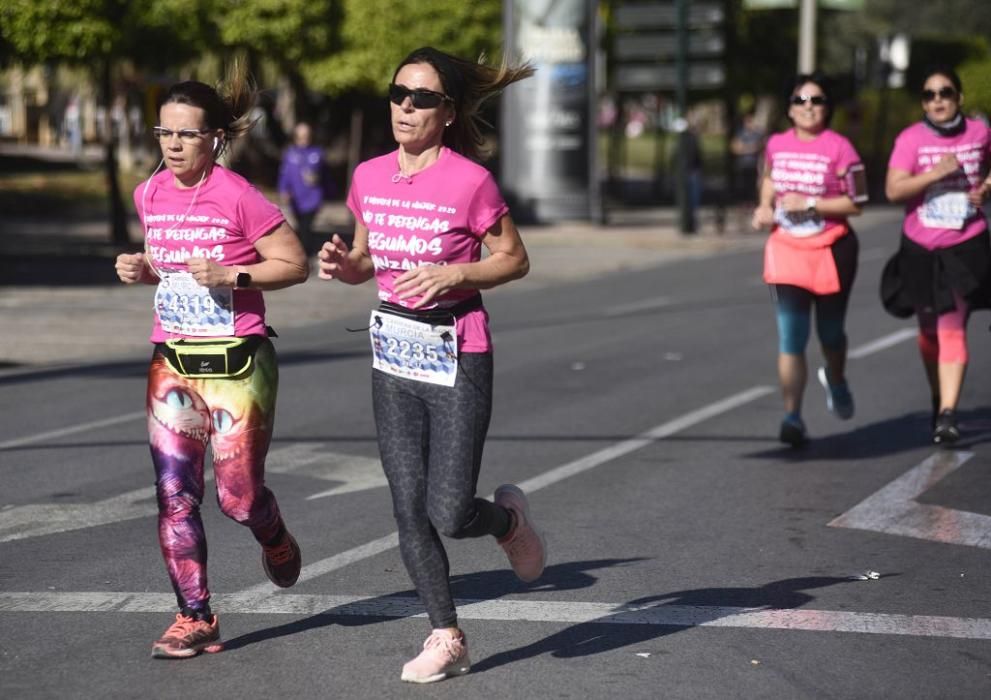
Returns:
point(61, 302)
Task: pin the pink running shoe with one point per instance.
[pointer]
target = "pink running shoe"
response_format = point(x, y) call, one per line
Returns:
point(523, 544)
point(187, 637)
point(444, 654)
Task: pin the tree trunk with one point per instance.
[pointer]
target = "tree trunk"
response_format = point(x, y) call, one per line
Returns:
point(118, 216)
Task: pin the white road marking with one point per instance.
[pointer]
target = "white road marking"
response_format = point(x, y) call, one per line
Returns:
point(653, 435)
point(325, 566)
point(894, 510)
point(550, 611)
point(882, 343)
point(311, 460)
point(71, 430)
point(640, 305)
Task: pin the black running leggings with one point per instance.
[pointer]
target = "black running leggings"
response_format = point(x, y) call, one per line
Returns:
point(430, 439)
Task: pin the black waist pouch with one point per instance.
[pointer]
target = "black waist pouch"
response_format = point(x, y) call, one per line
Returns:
point(435, 316)
point(217, 358)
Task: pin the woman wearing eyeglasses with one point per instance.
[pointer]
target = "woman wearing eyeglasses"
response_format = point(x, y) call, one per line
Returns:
point(213, 243)
point(942, 270)
point(812, 182)
point(423, 213)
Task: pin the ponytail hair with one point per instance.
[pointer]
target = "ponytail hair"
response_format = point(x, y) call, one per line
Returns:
point(470, 85)
point(227, 106)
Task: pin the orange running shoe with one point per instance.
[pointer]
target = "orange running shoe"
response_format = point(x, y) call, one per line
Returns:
point(282, 562)
point(188, 637)
point(444, 654)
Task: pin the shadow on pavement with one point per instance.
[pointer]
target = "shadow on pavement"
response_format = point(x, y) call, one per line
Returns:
point(611, 632)
point(487, 584)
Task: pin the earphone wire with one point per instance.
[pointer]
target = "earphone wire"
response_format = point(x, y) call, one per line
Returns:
point(149, 258)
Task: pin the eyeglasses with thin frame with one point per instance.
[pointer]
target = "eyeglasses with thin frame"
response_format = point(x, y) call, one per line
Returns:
point(815, 100)
point(421, 98)
point(944, 93)
point(187, 136)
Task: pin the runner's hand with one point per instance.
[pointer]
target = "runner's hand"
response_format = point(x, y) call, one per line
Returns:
point(207, 273)
point(794, 202)
point(333, 260)
point(427, 282)
point(763, 218)
point(130, 267)
point(946, 165)
point(979, 194)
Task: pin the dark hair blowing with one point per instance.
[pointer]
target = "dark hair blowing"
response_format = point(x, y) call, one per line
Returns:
point(822, 82)
point(227, 106)
point(944, 71)
point(470, 85)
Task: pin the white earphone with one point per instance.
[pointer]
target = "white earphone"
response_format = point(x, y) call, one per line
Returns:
point(216, 143)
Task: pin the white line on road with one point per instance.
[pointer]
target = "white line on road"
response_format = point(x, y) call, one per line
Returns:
point(662, 615)
point(325, 566)
point(882, 343)
point(71, 430)
point(894, 510)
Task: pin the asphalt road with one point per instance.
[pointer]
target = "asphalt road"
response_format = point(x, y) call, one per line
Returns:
point(691, 555)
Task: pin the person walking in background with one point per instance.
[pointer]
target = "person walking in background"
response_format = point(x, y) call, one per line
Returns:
point(423, 213)
point(302, 180)
point(214, 376)
point(746, 145)
point(942, 270)
point(812, 181)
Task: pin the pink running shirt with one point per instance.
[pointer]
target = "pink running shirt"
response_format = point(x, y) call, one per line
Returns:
point(813, 168)
point(437, 216)
point(917, 150)
point(228, 215)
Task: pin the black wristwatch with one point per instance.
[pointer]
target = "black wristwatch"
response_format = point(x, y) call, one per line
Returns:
point(242, 280)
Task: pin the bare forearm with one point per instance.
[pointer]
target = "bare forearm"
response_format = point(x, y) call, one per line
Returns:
point(496, 269)
point(273, 273)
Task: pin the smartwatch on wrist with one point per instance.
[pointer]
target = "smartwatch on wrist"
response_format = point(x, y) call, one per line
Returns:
point(810, 204)
point(242, 280)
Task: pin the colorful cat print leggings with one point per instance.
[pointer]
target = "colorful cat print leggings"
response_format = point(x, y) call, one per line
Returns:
point(233, 416)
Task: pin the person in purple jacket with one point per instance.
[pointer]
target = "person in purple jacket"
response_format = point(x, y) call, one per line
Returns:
point(301, 179)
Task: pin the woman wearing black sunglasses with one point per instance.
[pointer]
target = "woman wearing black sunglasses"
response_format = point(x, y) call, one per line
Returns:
point(812, 181)
point(942, 270)
point(423, 213)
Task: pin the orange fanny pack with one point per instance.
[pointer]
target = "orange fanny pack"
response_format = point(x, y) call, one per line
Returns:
point(803, 262)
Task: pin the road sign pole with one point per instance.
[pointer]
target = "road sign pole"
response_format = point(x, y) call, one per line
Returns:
point(686, 216)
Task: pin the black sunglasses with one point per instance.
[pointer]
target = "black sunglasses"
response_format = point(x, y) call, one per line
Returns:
point(945, 93)
point(817, 100)
point(420, 97)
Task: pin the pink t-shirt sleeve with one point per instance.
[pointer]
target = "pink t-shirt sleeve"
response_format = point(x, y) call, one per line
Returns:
point(487, 206)
point(847, 155)
point(903, 155)
point(258, 215)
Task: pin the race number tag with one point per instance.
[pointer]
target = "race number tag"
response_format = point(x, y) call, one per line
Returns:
point(945, 209)
point(414, 350)
point(799, 224)
point(186, 308)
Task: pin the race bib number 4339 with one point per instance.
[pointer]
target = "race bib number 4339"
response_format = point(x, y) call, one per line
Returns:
point(186, 308)
point(413, 349)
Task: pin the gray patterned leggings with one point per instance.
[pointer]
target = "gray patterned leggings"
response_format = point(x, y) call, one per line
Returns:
point(430, 440)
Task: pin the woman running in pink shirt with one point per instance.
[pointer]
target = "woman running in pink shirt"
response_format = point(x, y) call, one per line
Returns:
point(423, 213)
point(812, 181)
point(942, 270)
point(213, 243)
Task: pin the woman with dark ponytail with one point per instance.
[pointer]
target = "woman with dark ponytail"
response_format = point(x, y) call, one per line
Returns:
point(423, 213)
point(213, 243)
